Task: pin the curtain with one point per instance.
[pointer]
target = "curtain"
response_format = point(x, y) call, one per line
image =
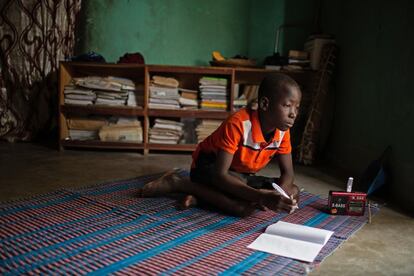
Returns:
point(34, 36)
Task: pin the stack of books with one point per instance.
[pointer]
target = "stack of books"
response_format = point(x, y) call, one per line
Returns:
point(85, 128)
point(188, 98)
point(213, 93)
point(100, 90)
point(298, 60)
point(206, 127)
point(124, 130)
point(166, 132)
point(164, 93)
point(78, 95)
point(111, 98)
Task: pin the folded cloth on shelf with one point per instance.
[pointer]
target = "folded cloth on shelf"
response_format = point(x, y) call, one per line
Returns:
point(132, 58)
point(88, 57)
point(165, 81)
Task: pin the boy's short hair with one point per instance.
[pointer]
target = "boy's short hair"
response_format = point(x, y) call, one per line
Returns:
point(274, 83)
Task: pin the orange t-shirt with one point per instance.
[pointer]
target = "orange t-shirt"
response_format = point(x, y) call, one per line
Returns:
point(241, 135)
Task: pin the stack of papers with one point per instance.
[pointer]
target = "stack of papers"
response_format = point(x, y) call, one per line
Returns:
point(125, 130)
point(113, 91)
point(206, 127)
point(166, 132)
point(164, 93)
point(188, 98)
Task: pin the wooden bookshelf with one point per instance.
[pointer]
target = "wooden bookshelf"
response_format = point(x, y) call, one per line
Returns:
point(188, 77)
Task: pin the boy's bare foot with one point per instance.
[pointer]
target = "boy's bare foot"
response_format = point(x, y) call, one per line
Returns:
point(187, 201)
point(166, 184)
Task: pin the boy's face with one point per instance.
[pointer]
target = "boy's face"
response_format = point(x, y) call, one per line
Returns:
point(281, 111)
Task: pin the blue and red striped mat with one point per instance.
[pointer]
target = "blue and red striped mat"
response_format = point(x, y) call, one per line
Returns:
point(107, 229)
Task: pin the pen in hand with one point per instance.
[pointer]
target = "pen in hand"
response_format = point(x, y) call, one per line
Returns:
point(284, 194)
point(280, 190)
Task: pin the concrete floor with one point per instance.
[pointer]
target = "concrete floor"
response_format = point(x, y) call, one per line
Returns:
point(384, 247)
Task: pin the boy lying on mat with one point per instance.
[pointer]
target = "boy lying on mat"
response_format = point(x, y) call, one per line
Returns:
point(225, 163)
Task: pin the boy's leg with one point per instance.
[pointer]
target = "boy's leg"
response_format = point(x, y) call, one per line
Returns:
point(164, 185)
point(213, 197)
point(172, 182)
point(190, 200)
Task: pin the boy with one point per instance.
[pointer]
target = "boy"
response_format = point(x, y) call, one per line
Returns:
point(224, 164)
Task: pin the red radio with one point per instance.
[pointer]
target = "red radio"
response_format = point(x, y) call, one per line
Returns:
point(347, 203)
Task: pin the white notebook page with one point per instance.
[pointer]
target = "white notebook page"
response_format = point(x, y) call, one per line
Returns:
point(292, 240)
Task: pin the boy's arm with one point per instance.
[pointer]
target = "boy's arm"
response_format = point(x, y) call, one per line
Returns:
point(230, 183)
point(236, 187)
point(287, 175)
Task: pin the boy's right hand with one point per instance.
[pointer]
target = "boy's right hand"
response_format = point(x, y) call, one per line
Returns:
point(276, 202)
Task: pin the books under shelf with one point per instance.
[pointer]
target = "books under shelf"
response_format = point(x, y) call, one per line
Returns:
point(112, 129)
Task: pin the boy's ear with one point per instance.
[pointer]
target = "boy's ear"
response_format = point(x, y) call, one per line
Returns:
point(264, 103)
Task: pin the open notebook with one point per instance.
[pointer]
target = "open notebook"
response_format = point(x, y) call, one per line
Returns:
point(292, 240)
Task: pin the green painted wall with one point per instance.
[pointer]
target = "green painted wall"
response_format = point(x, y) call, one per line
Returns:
point(374, 88)
point(300, 16)
point(266, 16)
point(183, 32)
